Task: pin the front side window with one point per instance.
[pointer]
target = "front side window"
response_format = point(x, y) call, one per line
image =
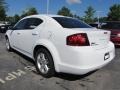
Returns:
point(29, 23)
point(20, 25)
point(71, 23)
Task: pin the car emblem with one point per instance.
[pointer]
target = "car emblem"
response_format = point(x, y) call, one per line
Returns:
point(93, 44)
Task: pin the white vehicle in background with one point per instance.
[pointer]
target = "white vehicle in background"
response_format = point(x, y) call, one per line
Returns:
point(61, 44)
point(4, 26)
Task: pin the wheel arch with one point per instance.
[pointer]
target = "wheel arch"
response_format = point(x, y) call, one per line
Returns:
point(38, 47)
point(52, 50)
point(6, 37)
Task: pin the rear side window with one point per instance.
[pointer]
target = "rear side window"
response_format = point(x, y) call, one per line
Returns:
point(71, 23)
point(33, 22)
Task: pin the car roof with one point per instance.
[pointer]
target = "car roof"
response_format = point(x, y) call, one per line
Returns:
point(44, 15)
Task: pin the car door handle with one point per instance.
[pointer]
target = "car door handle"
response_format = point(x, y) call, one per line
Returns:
point(18, 33)
point(34, 34)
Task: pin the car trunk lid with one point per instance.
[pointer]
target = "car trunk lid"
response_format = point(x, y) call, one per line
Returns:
point(97, 38)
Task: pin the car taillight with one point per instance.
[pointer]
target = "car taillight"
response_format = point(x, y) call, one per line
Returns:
point(79, 39)
point(118, 35)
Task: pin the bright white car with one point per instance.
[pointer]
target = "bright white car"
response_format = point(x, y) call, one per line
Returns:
point(61, 44)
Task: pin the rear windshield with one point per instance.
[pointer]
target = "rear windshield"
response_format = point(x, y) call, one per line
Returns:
point(112, 25)
point(71, 23)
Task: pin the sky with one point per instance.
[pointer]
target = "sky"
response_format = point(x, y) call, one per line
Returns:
point(76, 6)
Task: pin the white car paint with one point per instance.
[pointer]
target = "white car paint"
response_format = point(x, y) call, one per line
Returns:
point(68, 59)
point(1, 24)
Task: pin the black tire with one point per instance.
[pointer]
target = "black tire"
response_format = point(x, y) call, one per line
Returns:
point(48, 60)
point(8, 47)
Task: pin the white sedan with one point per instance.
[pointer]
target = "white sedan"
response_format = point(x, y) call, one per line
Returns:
point(61, 44)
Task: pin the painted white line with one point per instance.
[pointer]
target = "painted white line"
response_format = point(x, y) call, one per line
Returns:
point(10, 77)
point(2, 81)
point(30, 68)
point(16, 74)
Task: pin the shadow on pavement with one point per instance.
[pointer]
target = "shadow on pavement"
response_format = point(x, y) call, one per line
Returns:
point(69, 77)
point(117, 46)
point(24, 57)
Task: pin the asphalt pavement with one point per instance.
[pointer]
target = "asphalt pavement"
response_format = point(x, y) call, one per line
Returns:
point(17, 72)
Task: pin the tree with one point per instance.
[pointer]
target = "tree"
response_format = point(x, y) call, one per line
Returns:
point(29, 11)
point(65, 12)
point(114, 13)
point(101, 19)
point(89, 15)
point(2, 14)
point(3, 4)
point(77, 17)
point(9, 19)
point(13, 19)
point(2, 10)
point(16, 18)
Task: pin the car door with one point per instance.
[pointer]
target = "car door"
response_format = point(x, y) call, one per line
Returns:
point(15, 34)
point(29, 35)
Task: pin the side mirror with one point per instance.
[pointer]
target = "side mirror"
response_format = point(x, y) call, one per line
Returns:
point(32, 27)
point(10, 27)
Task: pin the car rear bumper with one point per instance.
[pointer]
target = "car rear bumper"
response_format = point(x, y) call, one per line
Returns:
point(83, 60)
point(79, 70)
